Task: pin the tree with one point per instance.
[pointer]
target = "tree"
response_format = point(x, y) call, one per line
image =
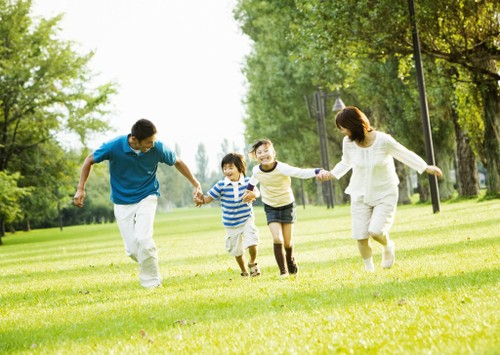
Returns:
point(45, 90)
point(10, 194)
point(275, 103)
point(202, 171)
point(461, 33)
point(43, 84)
point(174, 189)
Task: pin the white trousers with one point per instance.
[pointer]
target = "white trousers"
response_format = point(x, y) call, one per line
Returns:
point(136, 227)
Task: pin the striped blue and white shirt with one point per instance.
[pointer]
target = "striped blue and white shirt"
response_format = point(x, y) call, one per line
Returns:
point(235, 212)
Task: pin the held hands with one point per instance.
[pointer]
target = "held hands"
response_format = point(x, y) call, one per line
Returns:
point(434, 170)
point(198, 201)
point(324, 175)
point(198, 197)
point(249, 196)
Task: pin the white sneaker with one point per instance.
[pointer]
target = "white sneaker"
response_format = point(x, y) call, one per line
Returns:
point(369, 265)
point(389, 255)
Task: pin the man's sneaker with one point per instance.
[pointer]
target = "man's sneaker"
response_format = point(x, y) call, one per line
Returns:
point(388, 255)
point(293, 268)
point(254, 270)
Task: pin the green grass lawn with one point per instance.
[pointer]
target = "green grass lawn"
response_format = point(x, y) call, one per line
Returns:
point(75, 291)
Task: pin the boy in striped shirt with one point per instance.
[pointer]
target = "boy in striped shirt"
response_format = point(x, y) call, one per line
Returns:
point(237, 216)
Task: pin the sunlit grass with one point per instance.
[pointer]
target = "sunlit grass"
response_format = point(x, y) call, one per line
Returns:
point(75, 291)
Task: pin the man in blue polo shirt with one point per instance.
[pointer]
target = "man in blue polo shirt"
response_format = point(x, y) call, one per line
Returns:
point(133, 162)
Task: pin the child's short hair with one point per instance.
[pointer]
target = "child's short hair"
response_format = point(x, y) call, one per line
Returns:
point(237, 159)
point(256, 146)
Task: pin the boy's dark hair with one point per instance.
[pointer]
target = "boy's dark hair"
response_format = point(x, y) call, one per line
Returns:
point(143, 129)
point(355, 121)
point(237, 159)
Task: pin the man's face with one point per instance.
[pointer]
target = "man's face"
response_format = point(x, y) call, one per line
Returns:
point(146, 144)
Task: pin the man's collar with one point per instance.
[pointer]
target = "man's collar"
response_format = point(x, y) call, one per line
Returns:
point(126, 147)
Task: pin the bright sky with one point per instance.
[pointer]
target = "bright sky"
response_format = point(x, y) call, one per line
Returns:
point(177, 63)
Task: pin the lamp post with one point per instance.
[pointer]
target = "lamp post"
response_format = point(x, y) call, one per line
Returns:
point(320, 113)
point(429, 152)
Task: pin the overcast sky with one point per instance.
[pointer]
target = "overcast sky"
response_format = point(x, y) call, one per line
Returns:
point(177, 63)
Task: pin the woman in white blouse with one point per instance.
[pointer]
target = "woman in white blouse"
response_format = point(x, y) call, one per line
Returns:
point(373, 186)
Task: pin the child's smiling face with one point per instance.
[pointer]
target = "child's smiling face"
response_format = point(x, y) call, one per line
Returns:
point(265, 154)
point(231, 172)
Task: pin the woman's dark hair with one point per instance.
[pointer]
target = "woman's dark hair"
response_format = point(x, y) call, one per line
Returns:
point(237, 159)
point(143, 129)
point(355, 121)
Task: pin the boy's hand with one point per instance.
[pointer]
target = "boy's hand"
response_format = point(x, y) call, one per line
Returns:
point(198, 201)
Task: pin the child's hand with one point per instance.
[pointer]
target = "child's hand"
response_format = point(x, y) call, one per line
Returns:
point(248, 196)
point(198, 201)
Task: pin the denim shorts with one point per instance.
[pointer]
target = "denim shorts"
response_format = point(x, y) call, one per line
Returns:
point(283, 214)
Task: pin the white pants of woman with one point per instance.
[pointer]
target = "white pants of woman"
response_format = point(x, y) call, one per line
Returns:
point(136, 227)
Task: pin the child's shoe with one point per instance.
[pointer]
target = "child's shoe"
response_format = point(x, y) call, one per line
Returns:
point(254, 270)
point(293, 268)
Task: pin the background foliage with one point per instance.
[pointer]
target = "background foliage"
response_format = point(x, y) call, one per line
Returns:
point(360, 51)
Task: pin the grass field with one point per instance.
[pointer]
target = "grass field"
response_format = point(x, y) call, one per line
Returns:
point(75, 291)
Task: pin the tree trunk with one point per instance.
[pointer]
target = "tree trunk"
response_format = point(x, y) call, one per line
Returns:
point(27, 223)
point(446, 188)
point(2, 229)
point(491, 145)
point(423, 188)
point(466, 168)
point(404, 188)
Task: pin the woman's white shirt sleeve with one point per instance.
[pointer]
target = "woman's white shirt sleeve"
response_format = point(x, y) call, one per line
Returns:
point(373, 171)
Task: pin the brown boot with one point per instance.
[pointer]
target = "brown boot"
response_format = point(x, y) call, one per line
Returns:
point(293, 268)
point(280, 258)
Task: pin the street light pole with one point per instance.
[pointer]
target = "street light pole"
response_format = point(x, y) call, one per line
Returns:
point(319, 105)
point(320, 113)
point(429, 151)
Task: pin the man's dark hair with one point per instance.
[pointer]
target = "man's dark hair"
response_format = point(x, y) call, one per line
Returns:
point(237, 159)
point(143, 129)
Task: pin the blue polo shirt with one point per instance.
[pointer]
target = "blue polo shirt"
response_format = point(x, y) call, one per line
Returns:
point(132, 175)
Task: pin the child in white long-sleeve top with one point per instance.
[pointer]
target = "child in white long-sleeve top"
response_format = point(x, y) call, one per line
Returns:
point(374, 183)
point(279, 202)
